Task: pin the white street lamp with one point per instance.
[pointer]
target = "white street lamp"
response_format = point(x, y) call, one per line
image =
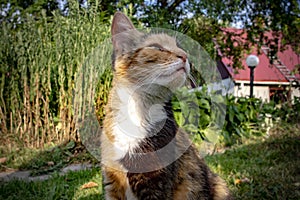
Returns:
point(252, 61)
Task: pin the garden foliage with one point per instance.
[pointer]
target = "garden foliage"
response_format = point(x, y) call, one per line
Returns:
point(40, 57)
point(230, 118)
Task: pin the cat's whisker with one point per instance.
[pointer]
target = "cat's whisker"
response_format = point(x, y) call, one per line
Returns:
point(141, 71)
point(156, 68)
point(167, 63)
point(151, 78)
point(145, 76)
point(192, 79)
point(179, 40)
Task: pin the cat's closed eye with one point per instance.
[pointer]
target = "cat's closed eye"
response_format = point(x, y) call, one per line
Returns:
point(157, 46)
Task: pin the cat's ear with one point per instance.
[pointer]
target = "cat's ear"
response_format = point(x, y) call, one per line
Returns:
point(124, 34)
point(121, 23)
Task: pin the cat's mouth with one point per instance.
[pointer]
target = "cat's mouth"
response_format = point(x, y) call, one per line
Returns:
point(181, 69)
point(175, 70)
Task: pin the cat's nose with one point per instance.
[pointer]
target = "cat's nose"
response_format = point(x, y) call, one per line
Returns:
point(182, 56)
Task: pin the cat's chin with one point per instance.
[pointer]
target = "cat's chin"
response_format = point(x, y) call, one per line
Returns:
point(182, 69)
point(176, 78)
point(173, 82)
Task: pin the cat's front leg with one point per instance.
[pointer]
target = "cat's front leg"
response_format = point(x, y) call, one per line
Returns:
point(115, 184)
point(151, 186)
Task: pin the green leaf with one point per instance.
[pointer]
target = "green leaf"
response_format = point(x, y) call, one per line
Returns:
point(70, 145)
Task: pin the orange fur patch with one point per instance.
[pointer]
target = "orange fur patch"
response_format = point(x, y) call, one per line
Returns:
point(181, 191)
point(116, 184)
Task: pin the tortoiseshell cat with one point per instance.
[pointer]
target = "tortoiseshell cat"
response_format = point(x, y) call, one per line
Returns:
point(145, 155)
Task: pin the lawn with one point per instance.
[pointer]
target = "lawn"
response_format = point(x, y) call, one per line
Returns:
point(264, 168)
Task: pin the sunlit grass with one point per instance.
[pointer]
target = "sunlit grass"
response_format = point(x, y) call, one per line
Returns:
point(58, 187)
point(265, 168)
point(48, 160)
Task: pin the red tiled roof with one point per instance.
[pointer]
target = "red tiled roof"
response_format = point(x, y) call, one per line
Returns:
point(264, 72)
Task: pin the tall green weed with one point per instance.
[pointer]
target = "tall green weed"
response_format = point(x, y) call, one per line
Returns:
point(39, 59)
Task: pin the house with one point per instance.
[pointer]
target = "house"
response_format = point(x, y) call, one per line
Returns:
point(273, 78)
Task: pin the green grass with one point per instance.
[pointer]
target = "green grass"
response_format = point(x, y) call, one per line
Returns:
point(260, 169)
point(266, 169)
point(58, 187)
point(38, 161)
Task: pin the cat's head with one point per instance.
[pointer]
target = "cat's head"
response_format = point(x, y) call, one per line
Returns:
point(141, 59)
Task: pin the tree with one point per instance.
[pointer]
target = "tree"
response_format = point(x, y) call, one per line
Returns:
point(12, 10)
point(205, 19)
point(281, 17)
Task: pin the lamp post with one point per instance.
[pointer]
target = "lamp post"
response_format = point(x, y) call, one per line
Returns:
point(252, 61)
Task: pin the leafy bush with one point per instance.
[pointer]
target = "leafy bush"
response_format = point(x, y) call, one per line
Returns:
point(287, 111)
point(231, 118)
point(193, 110)
point(242, 119)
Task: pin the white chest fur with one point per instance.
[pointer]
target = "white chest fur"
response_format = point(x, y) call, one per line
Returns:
point(127, 124)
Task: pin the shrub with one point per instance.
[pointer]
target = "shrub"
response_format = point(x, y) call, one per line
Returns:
point(228, 118)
